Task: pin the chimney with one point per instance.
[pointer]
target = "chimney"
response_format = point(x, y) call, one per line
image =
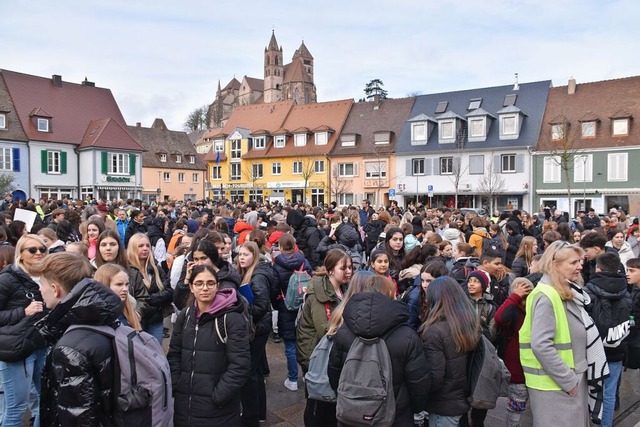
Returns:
point(88, 83)
point(138, 124)
point(571, 87)
point(516, 85)
point(376, 101)
point(57, 80)
point(159, 124)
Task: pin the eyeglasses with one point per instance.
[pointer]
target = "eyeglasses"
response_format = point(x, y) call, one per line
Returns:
point(32, 250)
point(560, 247)
point(200, 284)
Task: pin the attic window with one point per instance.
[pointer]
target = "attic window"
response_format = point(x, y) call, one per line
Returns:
point(163, 158)
point(509, 100)
point(620, 127)
point(474, 104)
point(279, 141)
point(43, 125)
point(192, 159)
point(381, 138)
point(322, 138)
point(348, 140)
point(442, 107)
point(178, 158)
point(3, 121)
point(588, 129)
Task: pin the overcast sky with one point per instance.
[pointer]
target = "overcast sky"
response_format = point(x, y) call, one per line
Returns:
point(164, 58)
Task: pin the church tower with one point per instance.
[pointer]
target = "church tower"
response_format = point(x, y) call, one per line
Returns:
point(273, 71)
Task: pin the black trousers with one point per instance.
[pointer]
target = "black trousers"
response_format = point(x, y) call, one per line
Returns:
point(253, 395)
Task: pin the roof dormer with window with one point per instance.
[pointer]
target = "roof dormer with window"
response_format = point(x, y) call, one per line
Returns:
point(449, 124)
point(259, 139)
point(300, 136)
point(3, 120)
point(620, 123)
point(322, 135)
point(382, 137)
point(479, 121)
point(349, 139)
point(510, 118)
point(41, 119)
point(421, 128)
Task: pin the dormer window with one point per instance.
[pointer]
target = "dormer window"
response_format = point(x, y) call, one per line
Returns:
point(478, 123)
point(300, 139)
point(418, 131)
point(510, 120)
point(163, 158)
point(447, 129)
point(421, 127)
point(588, 129)
point(508, 124)
point(620, 127)
point(322, 138)
point(218, 145)
point(43, 124)
point(557, 131)
point(192, 159)
point(178, 158)
point(279, 141)
point(348, 140)
point(448, 125)
point(3, 121)
point(259, 143)
point(381, 138)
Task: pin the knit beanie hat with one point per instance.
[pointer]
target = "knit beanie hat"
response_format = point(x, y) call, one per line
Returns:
point(481, 277)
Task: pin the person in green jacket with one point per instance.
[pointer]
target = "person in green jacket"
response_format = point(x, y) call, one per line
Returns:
point(325, 291)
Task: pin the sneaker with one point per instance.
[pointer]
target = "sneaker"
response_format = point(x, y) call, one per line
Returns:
point(291, 385)
point(275, 338)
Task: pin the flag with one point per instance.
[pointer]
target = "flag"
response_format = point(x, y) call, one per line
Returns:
point(218, 158)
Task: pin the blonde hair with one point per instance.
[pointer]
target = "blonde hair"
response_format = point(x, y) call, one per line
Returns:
point(65, 269)
point(247, 272)
point(526, 249)
point(557, 252)
point(104, 275)
point(22, 242)
point(135, 261)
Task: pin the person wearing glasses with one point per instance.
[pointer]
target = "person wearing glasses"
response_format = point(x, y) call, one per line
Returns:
point(19, 297)
point(209, 353)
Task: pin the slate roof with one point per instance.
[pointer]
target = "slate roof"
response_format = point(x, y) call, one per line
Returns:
point(531, 100)
point(158, 139)
point(364, 120)
point(14, 131)
point(73, 108)
point(599, 101)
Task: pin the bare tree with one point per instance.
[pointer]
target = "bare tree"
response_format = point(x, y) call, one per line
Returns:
point(308, 171)
point(491, 184)
point(6, 183)
point(339, 185)
point(378, 168)
point(252, 172)
point(197, 119)
point(451, 165)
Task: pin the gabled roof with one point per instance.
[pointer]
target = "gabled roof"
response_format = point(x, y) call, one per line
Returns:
point(258, 116)
point(14, 131)
point(449, 115)
point(303, 52)
point(510, 109)
point(421, 118)
point(158, 139)
point(107, 133)
point(234, 84)
point(531, 100)
point(365, 120)
point(295, 72)
point(603, 100)
point(39, 112)
point(73, 107)
point(480, 112)
point(254, 83)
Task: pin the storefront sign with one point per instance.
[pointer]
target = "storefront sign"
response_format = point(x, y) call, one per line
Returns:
point(109, 178)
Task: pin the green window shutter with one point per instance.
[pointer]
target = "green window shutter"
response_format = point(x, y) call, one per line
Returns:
point(105, 162)
point(43, 161)
point(132, 164)
point(63, 162)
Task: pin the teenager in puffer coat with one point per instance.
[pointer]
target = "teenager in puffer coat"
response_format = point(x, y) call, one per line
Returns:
point(344, 236)
point(208, 374)
point(372, 314)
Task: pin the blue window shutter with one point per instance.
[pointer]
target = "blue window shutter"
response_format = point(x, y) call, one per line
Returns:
point(16, 160)
point(63, 162)
point(132, 164)
point(44, 167)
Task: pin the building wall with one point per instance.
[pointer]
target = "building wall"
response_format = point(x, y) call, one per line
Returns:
point(20, 177)
point(41, 179)
point(153, 178)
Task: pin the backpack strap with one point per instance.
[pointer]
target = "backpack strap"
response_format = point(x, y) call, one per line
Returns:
point(221, 328)
point(327, 309)
point(301, 269)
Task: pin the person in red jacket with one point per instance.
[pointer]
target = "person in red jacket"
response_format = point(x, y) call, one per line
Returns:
point(509, 319)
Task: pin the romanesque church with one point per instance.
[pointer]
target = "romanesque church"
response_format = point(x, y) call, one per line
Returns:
point(281, 81)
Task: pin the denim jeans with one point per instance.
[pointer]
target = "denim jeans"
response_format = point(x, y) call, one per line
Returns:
point(17, 380)
point(156, 330)
point(436, 420)
point(610, 385)
point(292, 362)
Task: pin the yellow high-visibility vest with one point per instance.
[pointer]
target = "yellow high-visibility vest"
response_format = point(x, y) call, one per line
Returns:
point(534, 375)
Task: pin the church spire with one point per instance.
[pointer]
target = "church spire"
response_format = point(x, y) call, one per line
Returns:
point(273, 43)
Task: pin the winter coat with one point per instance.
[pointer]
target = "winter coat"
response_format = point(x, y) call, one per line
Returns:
point(372, 230)
point(475, 240)
point(308, 238)
point(263, 280)
point(462, 267)
point(635, 246)
point(509, 319)
point(514, 241)
point(320, 298)
point(284, 265)
point(371, 315)
point(486, 310)
point(77, 381)
point(207, 375)
point(591, 223)
point(448, 385)
point(520, 267)
point(132, 229)
point(228, 277)
point(609, 292)
point(242, 230)
point(625, 253)
point(154, 301)
point(347, 238)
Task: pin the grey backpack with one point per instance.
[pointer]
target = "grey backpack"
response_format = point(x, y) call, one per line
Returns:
point(365, 390)
point(142, 387)
point(316, 379)
point(487, 375)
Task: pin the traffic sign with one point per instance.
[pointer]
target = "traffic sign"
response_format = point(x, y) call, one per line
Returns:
point(430, 188)
point(392, 192)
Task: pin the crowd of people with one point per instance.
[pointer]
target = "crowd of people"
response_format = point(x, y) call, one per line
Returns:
point(556, 297)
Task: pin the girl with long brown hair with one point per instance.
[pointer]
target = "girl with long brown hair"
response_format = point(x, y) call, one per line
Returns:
point(116, 278)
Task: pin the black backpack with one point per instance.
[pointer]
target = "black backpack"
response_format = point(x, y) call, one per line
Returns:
point(493, 243)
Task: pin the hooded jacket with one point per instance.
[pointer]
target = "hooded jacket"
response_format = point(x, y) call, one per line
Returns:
point(476, 238)
point(307, 235)
point(263, 280)
point(77, 381)
point(509, 319)
point(228, 277)
point(348, 239)
point(154, 300)
point(132, 229)
point(284, 265)
point(372, 231)
point(207, 375)
point(371, 315)
point(242, 230)
point(514, 239)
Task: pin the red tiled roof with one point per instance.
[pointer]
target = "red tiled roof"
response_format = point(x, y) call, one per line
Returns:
point(255, 84)
point(258, 116)
point(296, 72)
point(73, 108)
point(107, 133)
point(233, 84)
point(212, 155)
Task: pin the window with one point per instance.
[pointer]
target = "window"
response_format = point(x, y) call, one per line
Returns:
point(118, 164)
point(620, 127)
point(381, 138)
point(322, 138)
point(417, 166)
point(178, 158)
point(257, 195)
point(300, 140)
point(347, 169)
point(477, 127)
point(509, 125)
point(318, 166)
point(236, 149)
point(235, 171)
point(557, 132)
point(508, 163)
point(276, 168)
point(617, 167)
point(216, 172)
point(218, 145)
point(441, 107)
point(588, 129)
point(348, 140)
point(279, 141)
point(195, 178)
point(447, 129)
point(257, 170)
point(297, 167)
point(551, 168)
point(474, 104)
point(418, 131)
point(237, 195)
point(166, 176)
point(476, 165)
point(509, 100)
point(345, 199)
point(582, 168)
point(446, 165)
point(163, 158)
point(259, 143)
point(6, 159)
point(192, 159)
point(43, 125)
point(375, 169)
point(181, 177)
point(3, 121)
point(53, 162)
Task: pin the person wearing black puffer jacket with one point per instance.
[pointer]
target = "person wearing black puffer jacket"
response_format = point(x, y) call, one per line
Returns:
point(208, 369)
point(514, 238)
point(343, 235)
point(307, 235)
point(372, 312)
point(284, 265)
point(258, 278)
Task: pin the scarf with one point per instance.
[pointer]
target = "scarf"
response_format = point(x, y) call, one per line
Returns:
point(597, 369)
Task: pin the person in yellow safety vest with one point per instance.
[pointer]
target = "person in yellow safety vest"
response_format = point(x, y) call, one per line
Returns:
point(553, 342)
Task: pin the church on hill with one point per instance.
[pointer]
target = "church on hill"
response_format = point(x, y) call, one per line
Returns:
point(281, 82)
